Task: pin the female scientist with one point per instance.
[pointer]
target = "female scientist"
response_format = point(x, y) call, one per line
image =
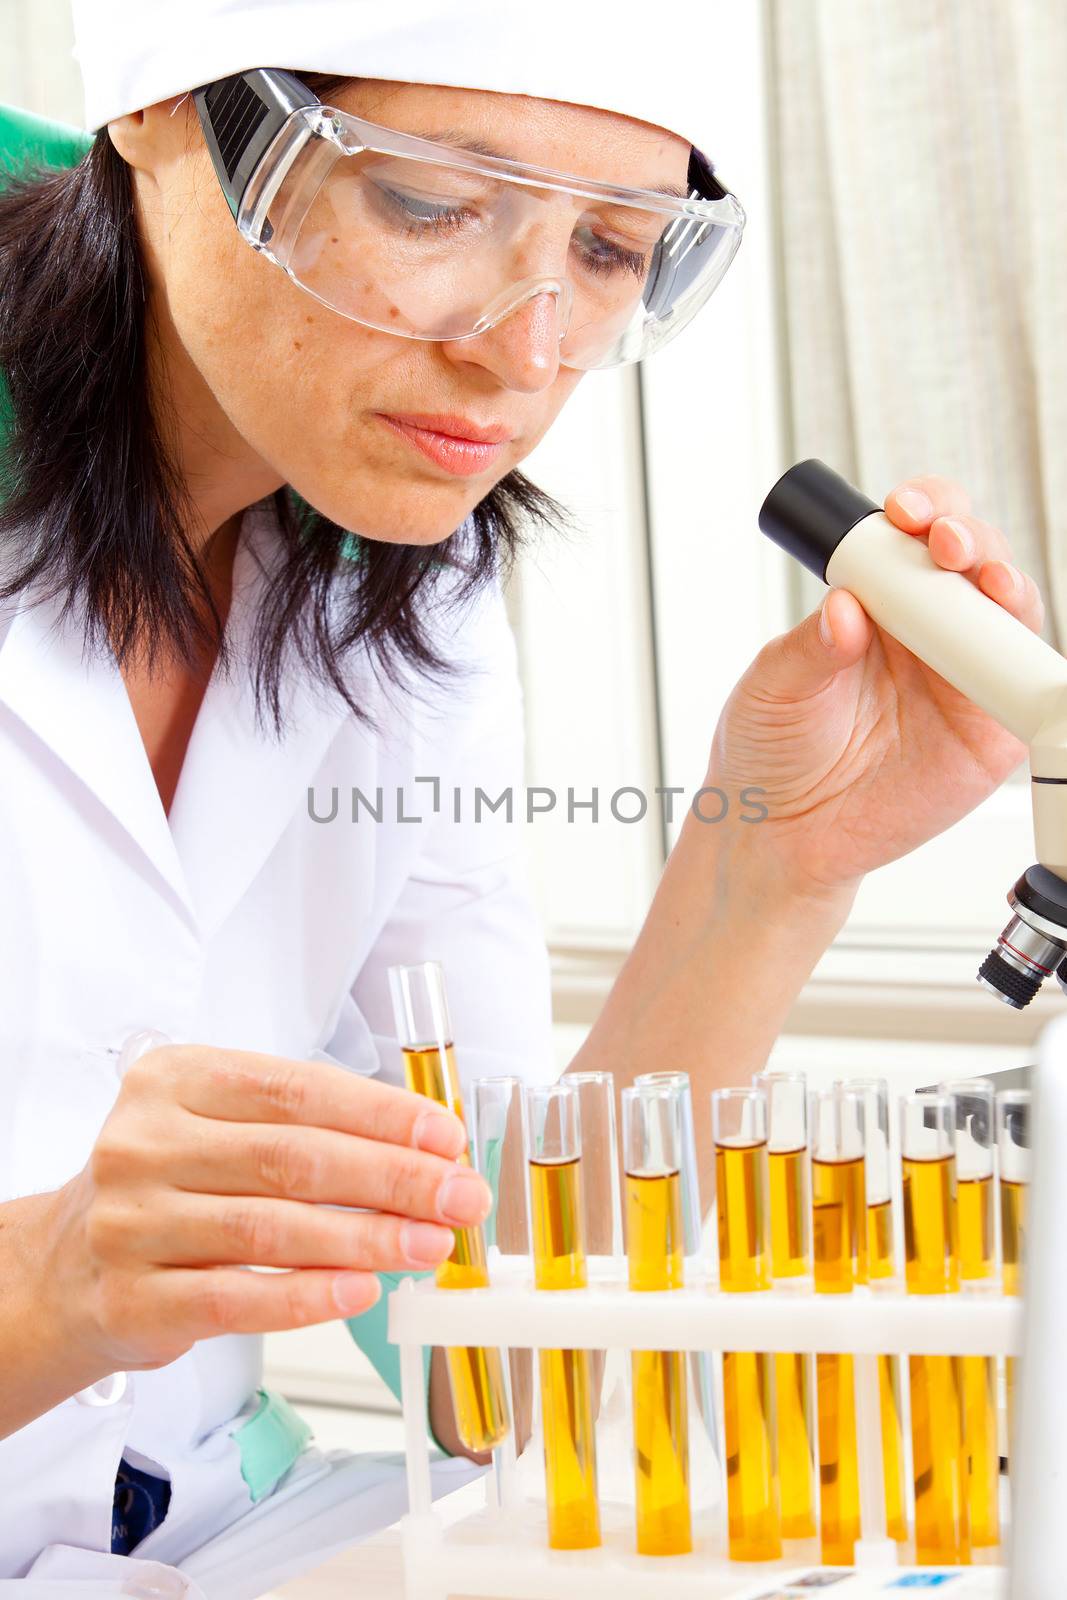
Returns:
point(275, 347)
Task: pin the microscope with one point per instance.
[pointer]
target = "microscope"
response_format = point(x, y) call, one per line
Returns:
point(841, 536)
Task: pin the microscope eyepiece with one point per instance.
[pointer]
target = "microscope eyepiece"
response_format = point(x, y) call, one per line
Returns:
point(810, 510)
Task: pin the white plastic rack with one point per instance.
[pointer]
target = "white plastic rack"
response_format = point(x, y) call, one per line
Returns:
point(502, 1551)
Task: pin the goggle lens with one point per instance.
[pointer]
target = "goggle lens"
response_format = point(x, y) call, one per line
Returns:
point(431, 251)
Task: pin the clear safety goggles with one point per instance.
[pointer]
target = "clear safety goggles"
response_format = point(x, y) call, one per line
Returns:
point(430, 241)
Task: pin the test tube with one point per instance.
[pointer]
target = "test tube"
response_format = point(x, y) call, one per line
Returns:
point(693, 1230)
point(498, 1141)
point(601, 1216)
point(931, 1266)
point(1013, 1146)
point(476, 1376)
point(554, 1148)
point(739, 1128)
point(839, 1214)
point(652, 1136)
point(788, 1183)
point(881, 1269)
point(601, 1206)
point(975, 1134)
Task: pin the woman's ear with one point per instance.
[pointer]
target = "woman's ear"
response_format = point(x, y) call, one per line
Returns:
point(146, 138)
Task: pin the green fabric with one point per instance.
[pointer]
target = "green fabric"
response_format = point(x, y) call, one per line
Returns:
point(371, 1333)
point(269, 1442)
point(29, 140)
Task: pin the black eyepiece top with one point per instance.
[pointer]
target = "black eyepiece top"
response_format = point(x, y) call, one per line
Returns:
point(809, 511)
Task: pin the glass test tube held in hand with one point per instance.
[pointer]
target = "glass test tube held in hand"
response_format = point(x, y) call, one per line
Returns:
point(739, 1128)
point(476, 1376)
point(1013, 1147)
point(652, 1131)
point(788, 1182)
point(882, 1270)
point(839, 1227)
point(973, 1115)
point(931, 1265)
point(554, 1148)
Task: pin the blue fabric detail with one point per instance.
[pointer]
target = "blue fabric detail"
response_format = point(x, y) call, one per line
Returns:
point(140, 1504)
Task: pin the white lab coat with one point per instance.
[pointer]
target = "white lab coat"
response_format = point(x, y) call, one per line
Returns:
point(238, 921)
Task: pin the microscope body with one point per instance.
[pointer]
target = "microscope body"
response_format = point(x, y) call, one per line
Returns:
point(978, 647)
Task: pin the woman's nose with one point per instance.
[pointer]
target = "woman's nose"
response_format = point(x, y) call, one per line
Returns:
point(522, 349)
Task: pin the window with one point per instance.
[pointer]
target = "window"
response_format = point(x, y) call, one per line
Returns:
point(632, 636)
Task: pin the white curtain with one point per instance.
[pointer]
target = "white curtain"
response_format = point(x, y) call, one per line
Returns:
point(919, 153)
point(37, 69)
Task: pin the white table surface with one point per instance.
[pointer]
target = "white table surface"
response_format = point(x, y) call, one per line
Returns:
point(374, 1569)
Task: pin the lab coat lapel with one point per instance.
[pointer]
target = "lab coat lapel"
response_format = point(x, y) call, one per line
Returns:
point(75, 703)
point(240, 785)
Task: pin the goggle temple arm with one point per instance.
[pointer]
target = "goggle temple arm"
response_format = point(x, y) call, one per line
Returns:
point(241, 116)
point(701, 177)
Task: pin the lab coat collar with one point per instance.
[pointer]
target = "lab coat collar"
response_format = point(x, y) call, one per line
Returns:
point(238, 786)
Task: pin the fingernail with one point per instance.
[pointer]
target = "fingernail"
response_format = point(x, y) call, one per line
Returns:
point(355, 1292)
point(915, 504)
point(440, 1133)
point(826, 632)
point(464, 1198)
point(1015, 577)
point(964, 539)
point(425, 1244)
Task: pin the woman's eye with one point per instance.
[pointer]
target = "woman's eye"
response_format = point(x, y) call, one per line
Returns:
point(437, 215)
point(605, 255)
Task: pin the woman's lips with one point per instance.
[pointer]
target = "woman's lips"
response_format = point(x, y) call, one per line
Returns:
point(463, 458)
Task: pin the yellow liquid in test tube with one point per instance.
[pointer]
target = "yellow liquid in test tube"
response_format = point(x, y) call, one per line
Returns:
point(785, 1178)
point(880, 1240)
point(839, 1219)
point(974, 1198)
point(748, 1377)
point(937, 1391)
point(880, 1265)
point(476, 1376)
point(1012, 1234)
point(566, 1389)
point(661, 1409)
point(796, 1469)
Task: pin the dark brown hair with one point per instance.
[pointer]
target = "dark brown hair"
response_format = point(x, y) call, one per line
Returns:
point(92, 508)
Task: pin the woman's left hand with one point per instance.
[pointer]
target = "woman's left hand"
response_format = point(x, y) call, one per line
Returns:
point(863, 751)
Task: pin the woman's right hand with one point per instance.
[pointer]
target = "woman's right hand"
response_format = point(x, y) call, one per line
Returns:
point(212, 1160)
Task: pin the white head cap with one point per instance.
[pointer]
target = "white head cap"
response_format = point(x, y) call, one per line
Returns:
point(654, 63)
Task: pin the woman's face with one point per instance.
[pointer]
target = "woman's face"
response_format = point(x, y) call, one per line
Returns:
point(269, 386)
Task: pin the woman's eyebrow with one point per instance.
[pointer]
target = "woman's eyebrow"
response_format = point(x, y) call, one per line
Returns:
point(480, 147)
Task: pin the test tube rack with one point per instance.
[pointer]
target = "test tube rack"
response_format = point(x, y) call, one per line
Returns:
point(501, 1549)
